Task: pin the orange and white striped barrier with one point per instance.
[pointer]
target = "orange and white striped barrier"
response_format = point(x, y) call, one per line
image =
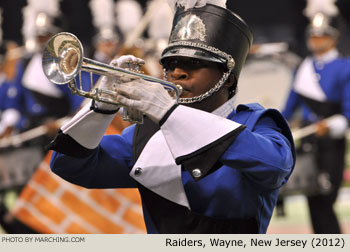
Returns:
point(49, 204)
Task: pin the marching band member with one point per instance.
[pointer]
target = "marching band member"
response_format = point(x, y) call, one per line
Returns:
point(321, 87)
point(106, 41)
point(200, 165)
point(9, 83)
point(38, 101)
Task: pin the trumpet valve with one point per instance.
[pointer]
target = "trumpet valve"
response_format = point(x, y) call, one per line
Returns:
point(135, 66)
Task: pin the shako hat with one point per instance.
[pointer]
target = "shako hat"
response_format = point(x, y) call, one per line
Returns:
point(324, 18)
point(210, 33)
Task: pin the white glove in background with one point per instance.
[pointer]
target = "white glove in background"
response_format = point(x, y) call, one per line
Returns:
point(129, 62)
point(337, 125)
point(10, 117)
point(148, 97)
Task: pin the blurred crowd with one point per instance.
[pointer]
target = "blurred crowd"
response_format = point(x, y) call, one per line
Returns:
point(32, 107)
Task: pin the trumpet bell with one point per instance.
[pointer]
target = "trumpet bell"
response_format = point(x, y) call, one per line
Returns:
point(62, 58)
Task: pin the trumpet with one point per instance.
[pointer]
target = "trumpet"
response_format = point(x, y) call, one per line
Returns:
point(63, 61)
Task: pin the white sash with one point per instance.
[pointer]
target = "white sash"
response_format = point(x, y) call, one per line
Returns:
point(34, 79)
point(306, 82)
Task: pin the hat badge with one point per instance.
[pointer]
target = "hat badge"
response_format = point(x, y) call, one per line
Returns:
point(190, 27)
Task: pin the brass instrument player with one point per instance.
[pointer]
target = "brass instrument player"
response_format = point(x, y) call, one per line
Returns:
point(201, 165)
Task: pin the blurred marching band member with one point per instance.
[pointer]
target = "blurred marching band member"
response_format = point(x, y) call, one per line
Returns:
point(42, 101)
point(321, 87)
point(106, 41)
point(158, 33)
point(9, 112)
point(38, 101)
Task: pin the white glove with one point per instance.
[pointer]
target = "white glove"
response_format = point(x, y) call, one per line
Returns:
point(10, 117)
point(148, 97)
point(337, 125)
point(129, 62)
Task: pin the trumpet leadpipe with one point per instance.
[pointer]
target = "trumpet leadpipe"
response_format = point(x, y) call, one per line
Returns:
point(90, 65)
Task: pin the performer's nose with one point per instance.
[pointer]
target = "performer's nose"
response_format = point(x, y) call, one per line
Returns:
point(178, 74)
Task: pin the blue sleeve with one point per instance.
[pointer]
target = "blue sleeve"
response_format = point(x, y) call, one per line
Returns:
point(12, 91)
point(3, 95)
point(264, 154)
point(11, 96)
point(346, 93)
point(293, 102)
point(108, 166)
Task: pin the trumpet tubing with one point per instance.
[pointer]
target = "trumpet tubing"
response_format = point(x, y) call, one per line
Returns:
point(63, 60)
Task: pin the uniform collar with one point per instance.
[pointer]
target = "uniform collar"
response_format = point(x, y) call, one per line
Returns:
point(327, 57)
point(225, 109)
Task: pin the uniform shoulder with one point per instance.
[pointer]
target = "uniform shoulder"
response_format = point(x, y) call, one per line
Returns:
point(250, 114)
point(342, 65)
point(250, 107)
point(344, 60)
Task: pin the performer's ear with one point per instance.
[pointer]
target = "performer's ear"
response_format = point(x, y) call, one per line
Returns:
point(231, 85)
point(231, 80)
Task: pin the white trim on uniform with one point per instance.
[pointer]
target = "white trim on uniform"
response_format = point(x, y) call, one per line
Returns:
point(306, 82)
point(187, 131)
point(88, 127)
point(156, 170)
point(34, 79)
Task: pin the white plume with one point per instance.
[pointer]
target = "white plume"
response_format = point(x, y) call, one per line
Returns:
point(161, 22)
point(128, 15)
point(0, 27)
point(327, 7)
point(28, 28)
point(50, 7)
point(102, 13)
point(30, 12)
point(188, 4)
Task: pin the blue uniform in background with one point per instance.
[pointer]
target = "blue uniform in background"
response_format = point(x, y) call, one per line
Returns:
point(321, 89)
point(9, 106)
point(9, 92)
point(333, 79)
point(36, 107)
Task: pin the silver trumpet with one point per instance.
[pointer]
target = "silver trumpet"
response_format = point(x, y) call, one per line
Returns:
point(63, 61)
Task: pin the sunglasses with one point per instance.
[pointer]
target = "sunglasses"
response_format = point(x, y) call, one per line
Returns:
point(187, 63)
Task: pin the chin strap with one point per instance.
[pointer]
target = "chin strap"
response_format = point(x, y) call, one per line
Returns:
point(230, 66)
point(204, 96)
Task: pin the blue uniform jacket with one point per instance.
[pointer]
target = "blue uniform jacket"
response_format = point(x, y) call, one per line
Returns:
point(252, 169)
point(334, 81)
point(24, 101)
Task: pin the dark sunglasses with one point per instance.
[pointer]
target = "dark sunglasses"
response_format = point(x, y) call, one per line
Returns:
point(187, 63)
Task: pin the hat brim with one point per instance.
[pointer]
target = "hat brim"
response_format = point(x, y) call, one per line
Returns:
point(191, 53)
point(319, 32)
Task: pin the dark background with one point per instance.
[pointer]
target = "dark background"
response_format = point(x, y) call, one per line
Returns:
point(270, 20)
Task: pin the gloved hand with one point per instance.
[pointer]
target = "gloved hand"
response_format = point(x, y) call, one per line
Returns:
point(334, 126)
point(148, 97)
point(129, 62)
